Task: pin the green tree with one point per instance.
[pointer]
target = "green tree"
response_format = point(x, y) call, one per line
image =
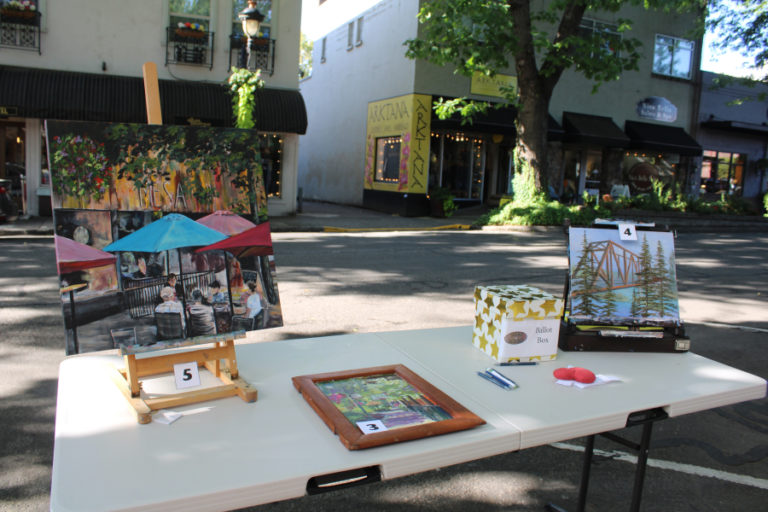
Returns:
point(305, 56)
point(742, 26)
point(541, 40)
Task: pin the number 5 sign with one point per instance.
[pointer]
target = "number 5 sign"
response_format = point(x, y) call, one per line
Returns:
point(187, 375)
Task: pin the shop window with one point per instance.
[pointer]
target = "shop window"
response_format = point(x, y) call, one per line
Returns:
point(388, 159)
point(189, 39)
point(271, 147)
point(722, 172)
point(672, 56)
point(607, 34)
point(459, 165)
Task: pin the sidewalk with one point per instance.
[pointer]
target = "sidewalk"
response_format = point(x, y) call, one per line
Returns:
point(320, 216)
point(315, 216)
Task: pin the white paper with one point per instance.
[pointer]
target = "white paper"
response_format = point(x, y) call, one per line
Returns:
point(167, 417)
point(599, 379)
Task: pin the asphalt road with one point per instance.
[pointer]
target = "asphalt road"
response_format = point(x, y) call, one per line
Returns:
point(344, 283)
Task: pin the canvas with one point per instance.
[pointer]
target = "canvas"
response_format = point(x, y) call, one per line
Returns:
point(622, 282)
point(151, 220)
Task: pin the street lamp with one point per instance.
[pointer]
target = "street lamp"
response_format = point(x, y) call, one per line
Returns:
point(251, 19)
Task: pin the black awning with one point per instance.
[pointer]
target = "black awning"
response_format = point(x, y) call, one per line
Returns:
point(657, 137)
point(48, 94)
point(737, 126)
point(594, 130)
point(495, 120)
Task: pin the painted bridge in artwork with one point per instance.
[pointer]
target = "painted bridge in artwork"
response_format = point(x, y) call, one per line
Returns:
point(614, 267)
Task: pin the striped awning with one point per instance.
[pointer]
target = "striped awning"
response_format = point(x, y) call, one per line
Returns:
point(66, 95)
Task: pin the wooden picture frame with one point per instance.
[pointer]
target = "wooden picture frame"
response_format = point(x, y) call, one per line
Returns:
point(414, 410)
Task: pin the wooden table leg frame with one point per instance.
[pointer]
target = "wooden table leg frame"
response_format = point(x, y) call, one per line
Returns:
point(220, 360)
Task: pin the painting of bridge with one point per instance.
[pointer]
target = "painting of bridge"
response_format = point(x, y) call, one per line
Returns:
point(622, 282)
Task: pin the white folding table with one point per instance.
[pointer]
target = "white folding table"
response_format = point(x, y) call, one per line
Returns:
point(228, 454)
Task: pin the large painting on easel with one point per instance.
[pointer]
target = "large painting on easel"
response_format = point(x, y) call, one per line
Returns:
point(622, 282)
point(162, 235)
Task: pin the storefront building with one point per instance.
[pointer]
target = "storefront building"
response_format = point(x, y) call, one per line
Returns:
point(734, 136)
point(55, 66)
point(376, 141)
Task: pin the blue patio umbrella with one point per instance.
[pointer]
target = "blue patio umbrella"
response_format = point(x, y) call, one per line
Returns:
point(173, 231)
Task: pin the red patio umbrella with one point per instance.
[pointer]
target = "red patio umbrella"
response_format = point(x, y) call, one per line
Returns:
point(72, 256)
point(256, 241)
point(226, 222)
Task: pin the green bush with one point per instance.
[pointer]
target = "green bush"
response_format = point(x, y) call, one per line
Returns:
point(540, 212)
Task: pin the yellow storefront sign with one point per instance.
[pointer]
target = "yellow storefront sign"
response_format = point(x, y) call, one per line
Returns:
point(491, 86)
point(397, 144)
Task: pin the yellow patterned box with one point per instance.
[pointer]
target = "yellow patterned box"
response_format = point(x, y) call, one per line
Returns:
point(516, 322)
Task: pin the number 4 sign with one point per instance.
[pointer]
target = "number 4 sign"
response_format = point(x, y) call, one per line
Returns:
point(627, 231)
point(187, 375)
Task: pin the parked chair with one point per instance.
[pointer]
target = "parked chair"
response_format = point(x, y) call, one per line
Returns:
point(123, 336)
point(242, 323)
point(169, 326)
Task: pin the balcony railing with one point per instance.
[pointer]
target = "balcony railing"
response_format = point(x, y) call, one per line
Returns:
point(193, 47)
point(20, 30)
point(262, 53)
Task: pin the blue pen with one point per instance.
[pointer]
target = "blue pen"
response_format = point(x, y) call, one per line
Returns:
point(495, 381)
point(496, 375)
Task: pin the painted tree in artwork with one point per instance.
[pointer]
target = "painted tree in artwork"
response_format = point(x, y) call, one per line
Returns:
point(635, 310)
point(609, 303)
point(662, 292)
point(646, 278)
point(583, 276)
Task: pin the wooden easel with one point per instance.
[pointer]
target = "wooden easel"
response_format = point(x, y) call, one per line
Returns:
point(128, 379)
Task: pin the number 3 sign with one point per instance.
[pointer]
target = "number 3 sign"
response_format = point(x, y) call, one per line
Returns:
point(187, 375)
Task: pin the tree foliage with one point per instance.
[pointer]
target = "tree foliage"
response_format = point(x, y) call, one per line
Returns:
point(742, 26)
point(540, 40)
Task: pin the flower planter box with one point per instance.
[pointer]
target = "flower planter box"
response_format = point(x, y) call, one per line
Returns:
point(189, 36)
point(20, 17)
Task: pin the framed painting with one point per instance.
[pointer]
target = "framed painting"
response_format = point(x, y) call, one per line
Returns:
point(381, 405)
point(162, 235)
point(622, 280)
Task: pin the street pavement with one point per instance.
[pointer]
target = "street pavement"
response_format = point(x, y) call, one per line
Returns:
point(347, 270)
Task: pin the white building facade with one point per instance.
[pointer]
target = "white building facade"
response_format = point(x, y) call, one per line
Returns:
point(82, 60)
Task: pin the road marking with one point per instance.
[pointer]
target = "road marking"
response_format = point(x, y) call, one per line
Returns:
point(673, 466)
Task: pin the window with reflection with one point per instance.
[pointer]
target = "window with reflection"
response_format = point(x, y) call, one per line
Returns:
point(672, 56)
point(387, 159)
point(183, 12)
point(264, 7)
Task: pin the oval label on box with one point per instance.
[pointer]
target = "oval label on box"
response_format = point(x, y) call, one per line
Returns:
point(515, 337)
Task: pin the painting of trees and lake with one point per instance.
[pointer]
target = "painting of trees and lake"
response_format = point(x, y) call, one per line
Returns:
point(388, 398)
point(622, 282)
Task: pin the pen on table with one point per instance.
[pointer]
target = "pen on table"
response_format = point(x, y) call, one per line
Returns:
point(489, 378)
point(519, 363)
point(506, 380)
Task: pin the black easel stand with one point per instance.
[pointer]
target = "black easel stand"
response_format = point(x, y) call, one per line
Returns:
point(646, 419)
